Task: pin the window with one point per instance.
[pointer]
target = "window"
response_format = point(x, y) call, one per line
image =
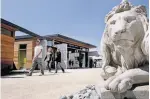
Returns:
point(7, 32)
point(12, 34)
point(23, 46)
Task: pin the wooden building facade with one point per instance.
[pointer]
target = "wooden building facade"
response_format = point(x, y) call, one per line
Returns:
point(8, 30)
point(7, 46)
point(23, 52)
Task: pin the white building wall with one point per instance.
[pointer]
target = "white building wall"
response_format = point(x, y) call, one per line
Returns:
point(72, 58)
point(63, 50)
point(44, 44)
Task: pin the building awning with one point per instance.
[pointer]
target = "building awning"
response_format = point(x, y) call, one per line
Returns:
point(5, 23)
point(56, 37)
point(68, 40)
point(94, 53)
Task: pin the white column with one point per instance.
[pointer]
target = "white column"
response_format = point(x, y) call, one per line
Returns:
point(44, 44)
point(63, 50)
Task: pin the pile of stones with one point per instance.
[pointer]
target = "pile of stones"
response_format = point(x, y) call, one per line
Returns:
point(89, 92)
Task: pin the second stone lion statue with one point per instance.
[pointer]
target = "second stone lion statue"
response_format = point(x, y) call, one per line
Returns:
point(125, 47)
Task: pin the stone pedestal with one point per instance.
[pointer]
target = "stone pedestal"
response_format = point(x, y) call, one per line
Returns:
point(99, 92)
point(140, 92)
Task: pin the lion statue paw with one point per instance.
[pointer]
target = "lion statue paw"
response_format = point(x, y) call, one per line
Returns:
point(118, 85)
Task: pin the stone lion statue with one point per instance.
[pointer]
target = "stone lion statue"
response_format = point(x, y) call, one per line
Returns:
point(125, 47)
point(125, 52)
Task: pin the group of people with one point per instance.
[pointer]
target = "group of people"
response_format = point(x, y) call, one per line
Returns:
point(49, 58)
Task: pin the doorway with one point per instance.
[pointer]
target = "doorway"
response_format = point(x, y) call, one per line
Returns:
point(22, 55)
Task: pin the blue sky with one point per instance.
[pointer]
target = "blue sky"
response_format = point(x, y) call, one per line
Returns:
point(79, 19)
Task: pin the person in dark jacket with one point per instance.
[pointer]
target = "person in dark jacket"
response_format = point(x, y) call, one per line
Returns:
point(58, 61)
point(48, 58)
point(70, 63)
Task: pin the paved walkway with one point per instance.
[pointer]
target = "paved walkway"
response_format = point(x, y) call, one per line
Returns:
point(50, 86)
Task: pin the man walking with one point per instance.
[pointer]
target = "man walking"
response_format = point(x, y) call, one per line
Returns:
point(37, 60)
point(58, 61)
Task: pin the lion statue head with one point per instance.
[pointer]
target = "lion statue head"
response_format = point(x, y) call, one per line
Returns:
point(126, 25)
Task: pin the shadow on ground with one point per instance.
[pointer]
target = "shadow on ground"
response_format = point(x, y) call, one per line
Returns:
point(11, 77)
point(23, 73)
